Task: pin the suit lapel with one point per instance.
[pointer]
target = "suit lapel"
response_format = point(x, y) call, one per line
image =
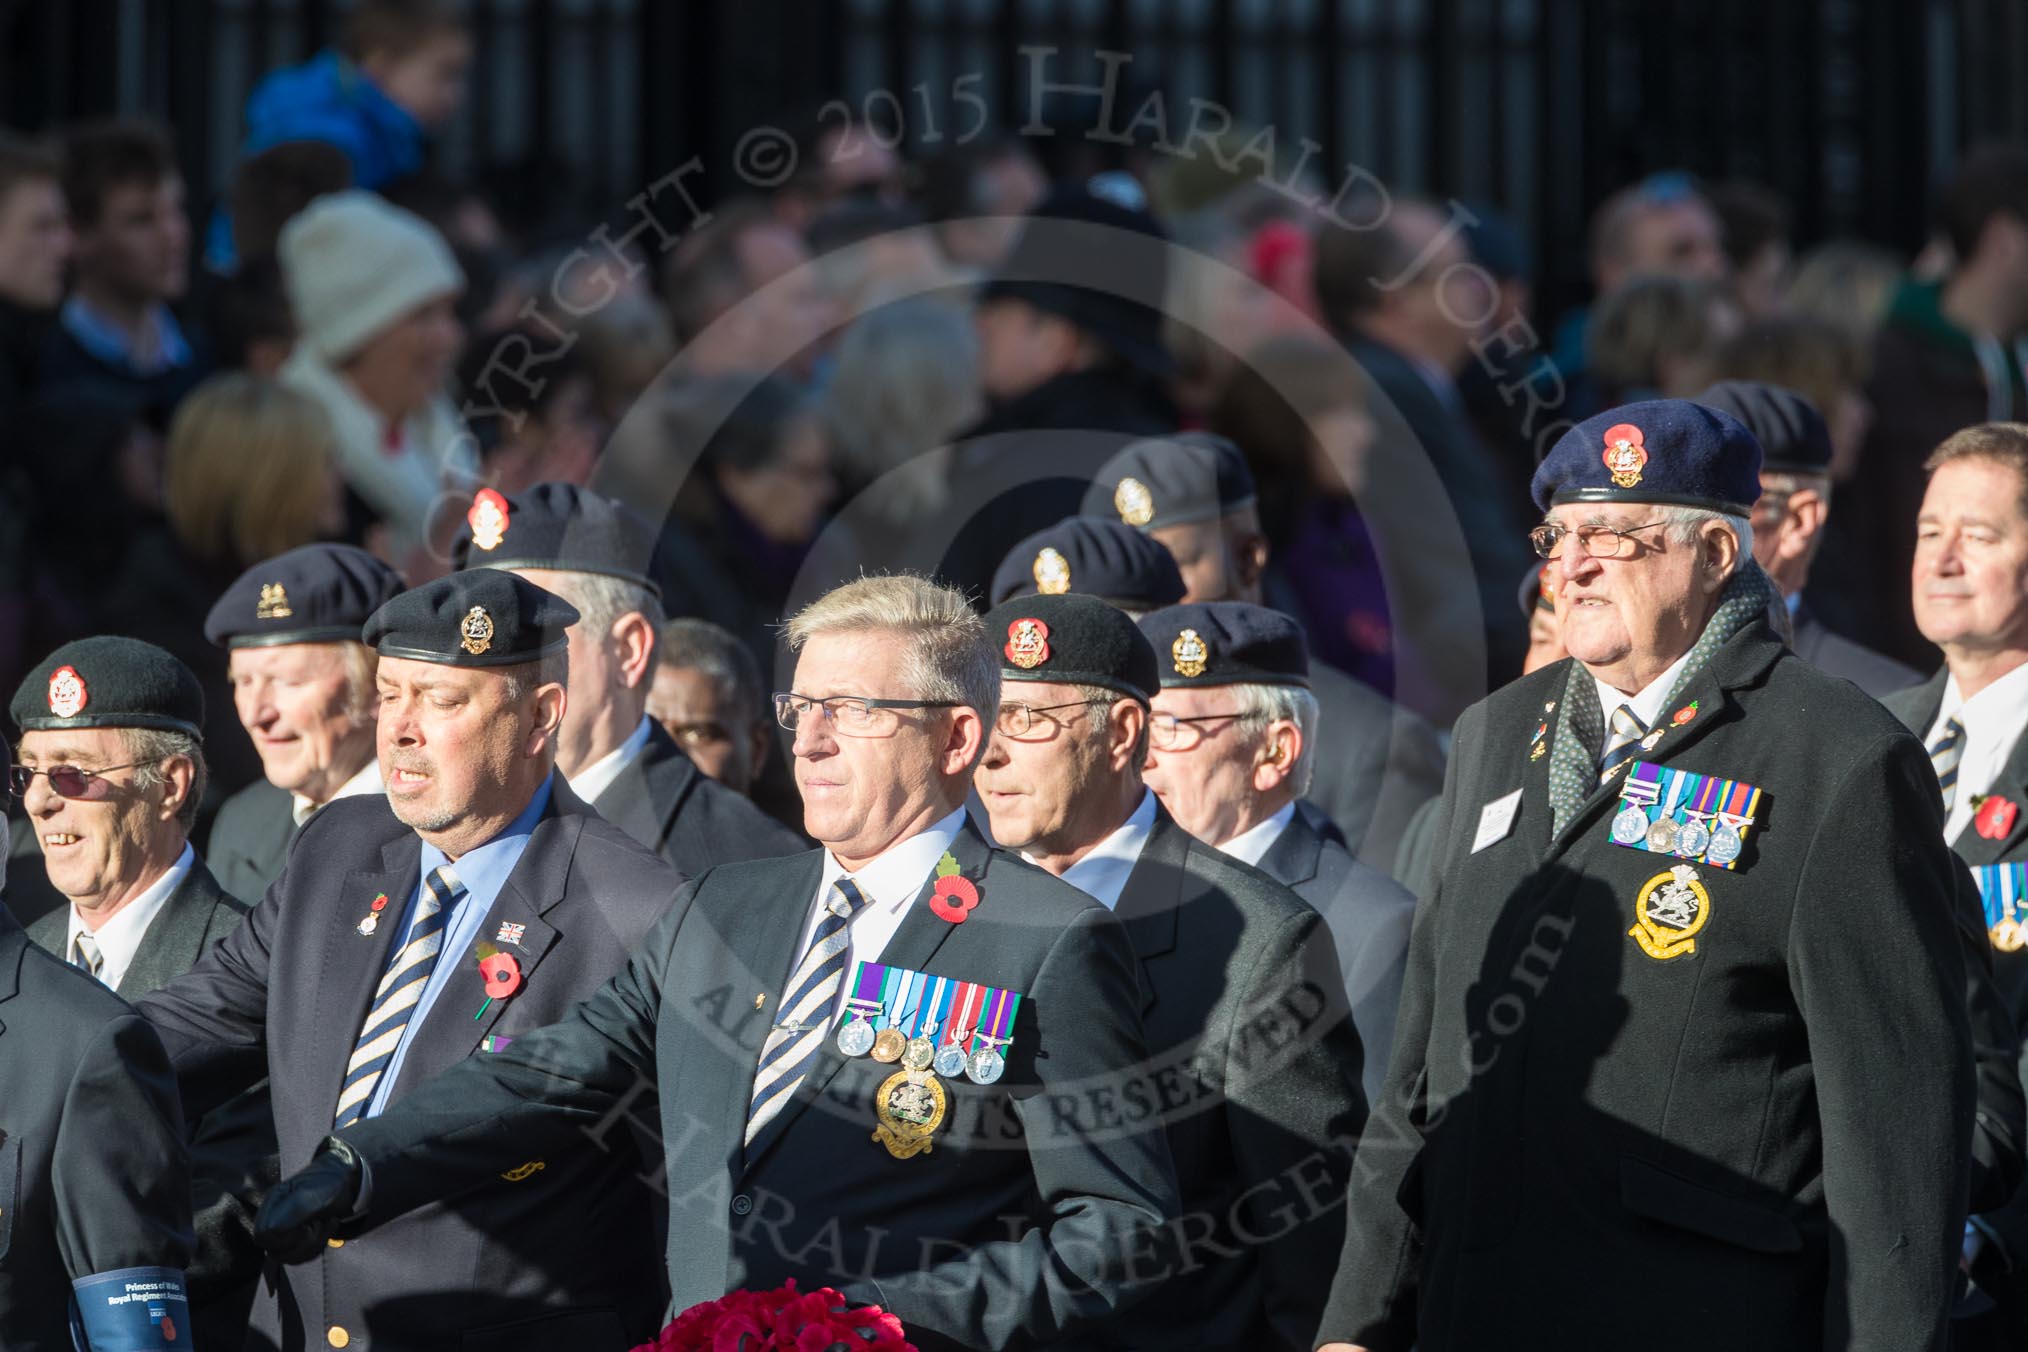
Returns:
point(2012, 784)
point(174, 939)
point(1153, 895)
point(353, 962)
point(644, 799)
point(1292, 859)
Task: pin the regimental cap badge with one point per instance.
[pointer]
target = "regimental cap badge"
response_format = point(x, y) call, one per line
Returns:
point(1027, 644)
point(1052, 572)
point(488, 519)
point(1669, 911)
point(475, 631)
point(1625, 454)
point(1134, 503)
point(67, 693)
point(1190, 653)
point(274, 603)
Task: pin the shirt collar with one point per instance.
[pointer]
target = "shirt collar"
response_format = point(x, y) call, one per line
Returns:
point(484, 870)
point(162, 348)
point(1102, 873)
point(1647, 702)
point(366, 781)
point(1251, 845)
point(597, 777)
point(1996, 714)
point(892, 878)
point(119, 939)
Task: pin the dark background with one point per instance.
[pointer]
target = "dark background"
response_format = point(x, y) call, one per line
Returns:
point(1852, 108)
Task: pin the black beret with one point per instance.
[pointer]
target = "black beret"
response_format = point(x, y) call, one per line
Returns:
point(1106, 559)
point(1661, 450)
point(559, 526)
point(1074, 640)
point(1228, 643)
point(1171, 481)
point(1789, 428)
point(481, 617)
point(110, 682)
point(315, 594)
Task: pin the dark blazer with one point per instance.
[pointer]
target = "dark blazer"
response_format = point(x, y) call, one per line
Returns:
point(1369, 916)
point(1246, 1010)
point(562, 1257)
point(1876, 673)
point(1021, 1227)
point(197, 915)
point(1379, 762)
point(1580, 1145)
point(93, 1172)
point(2006, 1223)
point(250, 838)
point(695, 823)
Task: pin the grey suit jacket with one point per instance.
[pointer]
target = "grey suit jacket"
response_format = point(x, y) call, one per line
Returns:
point(249, 839)
point(1876, 673)
point(1369, 915)
point(695, 823)
point(1383, 763)
point(197, 915)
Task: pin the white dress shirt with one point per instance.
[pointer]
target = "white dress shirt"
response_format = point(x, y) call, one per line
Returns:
point(597, 777)
point(120, 937)
point(1994, 720)
point(890, 882)
point(1102, 874)
point(1251, 845)
point(365, 782)
point(1646, 702)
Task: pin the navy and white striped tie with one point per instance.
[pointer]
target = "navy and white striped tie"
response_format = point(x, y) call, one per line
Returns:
point(395, 998)
point(792, 1044)
point(1944, 754)
point(1627, 731)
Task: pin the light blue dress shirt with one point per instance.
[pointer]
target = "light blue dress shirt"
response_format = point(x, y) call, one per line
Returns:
point(483, 872)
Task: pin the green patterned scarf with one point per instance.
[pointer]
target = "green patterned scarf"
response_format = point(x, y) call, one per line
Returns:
point(1573, 762)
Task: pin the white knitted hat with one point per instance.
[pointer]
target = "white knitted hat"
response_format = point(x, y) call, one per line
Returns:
point(354, 264)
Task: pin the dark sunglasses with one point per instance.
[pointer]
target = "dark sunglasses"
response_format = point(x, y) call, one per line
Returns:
point(67, 781)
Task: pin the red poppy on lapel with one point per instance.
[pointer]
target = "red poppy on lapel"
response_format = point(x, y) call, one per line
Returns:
point(1995, 817)
point(502, 973)
point(954, 895)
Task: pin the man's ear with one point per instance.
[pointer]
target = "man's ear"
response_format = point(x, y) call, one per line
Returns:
point(1280, 749)
point(1801, 521)
point(181, 774)
point(965, 744)
point(633, 642)
point(1127, 721)
point(1721, 554)
point(550, 701)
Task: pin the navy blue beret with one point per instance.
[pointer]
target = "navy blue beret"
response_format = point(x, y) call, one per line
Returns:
point(1228, 643)
point(1074, 640)
point(1791, 431)
point(110, 682)
point(1660, 450)
point(1171, 481)
point(315, 594)
point(480, 617)
point(1106, 559)
point(558, 526)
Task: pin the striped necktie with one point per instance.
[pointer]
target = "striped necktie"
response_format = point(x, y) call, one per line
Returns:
point(1944, 754)
point(1627, 732)
point(85, 954)
point(793, 1042)
point(395, 999)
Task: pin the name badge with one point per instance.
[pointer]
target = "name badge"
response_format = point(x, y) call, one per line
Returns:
point(1496, 819)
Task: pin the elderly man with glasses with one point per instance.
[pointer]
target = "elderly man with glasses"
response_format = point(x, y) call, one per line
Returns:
point(1683, 1058)
point(1255, 1072)
point(875, 1058)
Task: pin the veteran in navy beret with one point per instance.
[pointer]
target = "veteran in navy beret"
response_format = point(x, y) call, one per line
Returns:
point(593, 552)
point(1232, 742)
point(1687, 887)
point(1789, 523)
point(1106, 559)
point(302, 686)
point(1218, 942)
point(475, 900)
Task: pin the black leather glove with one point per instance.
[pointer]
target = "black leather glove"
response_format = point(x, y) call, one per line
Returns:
point(302, 1211)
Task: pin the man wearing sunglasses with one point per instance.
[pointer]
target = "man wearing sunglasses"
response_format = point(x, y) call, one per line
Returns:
point(1232, 738)
point(1687, 995)
point(1231, 963)
point(478, 899)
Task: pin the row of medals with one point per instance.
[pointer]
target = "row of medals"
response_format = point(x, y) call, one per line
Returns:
point(921, 1053)
point(1690, 839)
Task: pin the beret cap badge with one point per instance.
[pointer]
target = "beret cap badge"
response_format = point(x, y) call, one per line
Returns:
point(1134, 503)
point(274, 603)
point(488, 519)
point(67, 693)
point(475, 631)
point(1190, 653)
point(1052, 572)
point(1027, 643)
point(1624, 454)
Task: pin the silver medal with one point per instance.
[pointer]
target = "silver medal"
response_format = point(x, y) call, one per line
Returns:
point(1725, 845)
point(370, 924)
point(1662, 836)
point(950, 1062)
point(1630, 827)
point(855, 1038)
point(985, 1067)
point(1692, 838)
